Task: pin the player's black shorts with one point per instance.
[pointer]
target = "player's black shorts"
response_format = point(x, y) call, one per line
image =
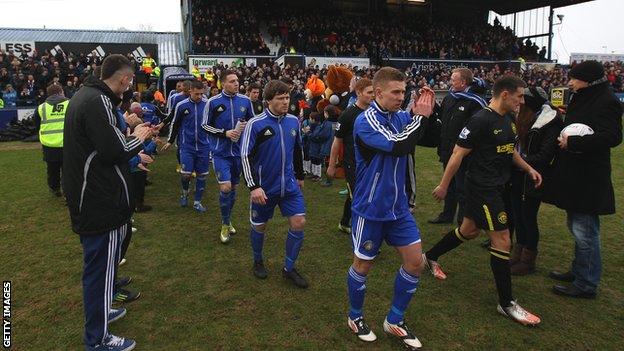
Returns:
point(349, 171)
point(486, 207)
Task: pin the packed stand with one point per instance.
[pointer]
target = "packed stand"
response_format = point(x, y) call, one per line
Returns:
point(227, 29)
point(24, 79)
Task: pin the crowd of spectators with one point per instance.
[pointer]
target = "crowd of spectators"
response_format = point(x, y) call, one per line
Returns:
point(227, 29)
point(235, 28)
point(24, 78)
point(437, 76)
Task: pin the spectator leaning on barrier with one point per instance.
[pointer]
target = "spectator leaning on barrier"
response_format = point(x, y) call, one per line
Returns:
point(581, 182)
point(49, 118)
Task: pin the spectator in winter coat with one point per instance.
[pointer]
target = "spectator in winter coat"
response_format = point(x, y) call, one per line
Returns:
point(320, 145)
point(582, 176)
point(538, 126)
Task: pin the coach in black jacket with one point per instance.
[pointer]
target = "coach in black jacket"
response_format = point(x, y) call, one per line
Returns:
point(462, 101)
point(95, 181)
point(581, 182)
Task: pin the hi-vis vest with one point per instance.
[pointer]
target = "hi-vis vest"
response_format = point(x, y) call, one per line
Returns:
point(147, 64)
point(52, 122)
point(195, 72)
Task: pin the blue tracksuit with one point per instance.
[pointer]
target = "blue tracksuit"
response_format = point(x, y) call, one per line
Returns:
point(383, 142)
point(193, 142)
point(222, 113)
point(272, 158)
point(151, 113)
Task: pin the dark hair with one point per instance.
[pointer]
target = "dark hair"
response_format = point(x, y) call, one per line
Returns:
point(97, 72)
point(195, 84)
point(54, 89)
point(186, 85)
point(226, 73)
point(287, 80)
point(275, 87)
point(114, 63)
point(253, 86)
point(147, 96)
point(387, 74)
point(315, 116)
point(332, 111)
point(507, 83)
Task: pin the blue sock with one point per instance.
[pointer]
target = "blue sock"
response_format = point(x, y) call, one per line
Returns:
point(224, 205)
point(257, 241)
point(405, 286)
point(200, 185)
point(294, 240)
point(185, 184)
point(232, 200)
point(356, 286)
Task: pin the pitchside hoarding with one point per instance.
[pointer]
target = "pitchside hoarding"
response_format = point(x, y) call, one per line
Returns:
point(425, 64)
point(203, 62)
point(322, 61)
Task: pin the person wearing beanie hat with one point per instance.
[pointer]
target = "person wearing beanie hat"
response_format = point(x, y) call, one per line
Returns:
point(581, 180)
point(591, 72)
point(538, 126)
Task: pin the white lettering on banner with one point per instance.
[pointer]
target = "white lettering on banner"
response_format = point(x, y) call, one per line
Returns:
point(18, 47)
point(361, 62)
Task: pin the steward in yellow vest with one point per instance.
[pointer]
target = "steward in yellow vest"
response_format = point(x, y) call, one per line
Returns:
point(148, 64)
point(49, 117)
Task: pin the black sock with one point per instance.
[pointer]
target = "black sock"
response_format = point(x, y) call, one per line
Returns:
point(499, 262)
point(451, 240)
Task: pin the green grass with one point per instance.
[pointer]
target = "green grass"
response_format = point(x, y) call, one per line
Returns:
point(200, 295)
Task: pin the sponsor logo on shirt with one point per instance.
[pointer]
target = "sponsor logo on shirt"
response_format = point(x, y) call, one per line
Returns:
point(464, 133)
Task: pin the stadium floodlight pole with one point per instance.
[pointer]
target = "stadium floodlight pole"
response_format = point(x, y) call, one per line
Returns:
point(550, 33)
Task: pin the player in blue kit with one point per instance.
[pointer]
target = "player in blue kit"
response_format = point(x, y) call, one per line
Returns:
point(384, 137)
point(272, 160)
point(193, 143)
point(224, 119)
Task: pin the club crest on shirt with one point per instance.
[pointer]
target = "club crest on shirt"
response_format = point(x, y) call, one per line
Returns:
point(502, 217)
point(243, 109)
point(461, 108)
point(513, 128)
point(464, 133)
point(293, 132)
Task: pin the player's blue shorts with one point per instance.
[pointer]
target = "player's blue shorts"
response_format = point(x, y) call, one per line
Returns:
point(367, 235)
point(290, 205)
point(227, 169)
point(194, 161)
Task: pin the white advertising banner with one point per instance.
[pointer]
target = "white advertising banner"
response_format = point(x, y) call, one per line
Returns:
point(205, 62)
point(361, 62)
point(18, 47)
point(578, 57)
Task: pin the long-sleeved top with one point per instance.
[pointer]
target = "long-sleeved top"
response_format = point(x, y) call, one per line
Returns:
point(187, 125)
point(383, 142)
point(271, 154)
point(222, 113)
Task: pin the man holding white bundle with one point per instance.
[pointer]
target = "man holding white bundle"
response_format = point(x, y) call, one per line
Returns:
point(581, 182)
point(225, 117)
